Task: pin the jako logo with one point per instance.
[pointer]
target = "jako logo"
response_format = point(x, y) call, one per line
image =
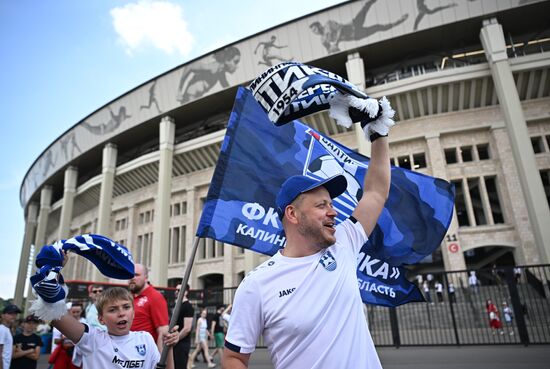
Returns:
point(286, 292)
point(328, 261)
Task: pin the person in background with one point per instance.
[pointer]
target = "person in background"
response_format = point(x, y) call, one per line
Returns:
point(185, 321)
point(26, 346)
point(451, 289)
point(94, 291)
point(473, 282)
point(508, 317)
point(9, 315)
point(494, 318)
point(217, 331)
point(201, 340)
point(439, 291)
point(150, 308)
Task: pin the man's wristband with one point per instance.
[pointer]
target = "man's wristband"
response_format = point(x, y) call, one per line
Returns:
point(373, 137)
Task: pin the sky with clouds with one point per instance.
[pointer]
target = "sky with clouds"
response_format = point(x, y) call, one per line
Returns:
point(63, 59)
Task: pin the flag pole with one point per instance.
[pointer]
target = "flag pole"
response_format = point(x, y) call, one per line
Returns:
point(173, 320)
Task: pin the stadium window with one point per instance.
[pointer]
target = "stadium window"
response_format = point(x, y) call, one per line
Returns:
point(547, 141)
point(176, 208)
point(545, 176)
point(124, 223)
point(419, 160)
point(139, 244)
point(147, 216)
point(181, 256)
point(170, 245)
point(141, 218)
point(202, 248)
point(149, 249)
point(466, 152)
point(404, 162)
point(460, 204)
point(175, 244)
point(477, 204)
point(494, 199)
point(184, 207)
point(117, 225)
point(450, 156)
point(210, 248)
point(483, 152)
point(537, 144)
point(219, 249)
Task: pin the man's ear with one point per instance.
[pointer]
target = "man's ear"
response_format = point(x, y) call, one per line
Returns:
point(291, 214)
point(100, 318)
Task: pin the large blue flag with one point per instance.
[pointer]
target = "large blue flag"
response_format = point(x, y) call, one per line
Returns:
point(256, 158)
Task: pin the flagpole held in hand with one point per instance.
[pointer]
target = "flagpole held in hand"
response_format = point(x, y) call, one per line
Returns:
point(164, 355)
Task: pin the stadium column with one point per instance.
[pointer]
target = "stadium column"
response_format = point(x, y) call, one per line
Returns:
point(43, 215)
point(228, 275)
point(355, 70)
point(69, 189)
point(28, 238)
point(130, 240)
point(453, 257)
point(105, 198)
point(159, 255)
point(492, 39)
point(514, 211)
point(190, 226)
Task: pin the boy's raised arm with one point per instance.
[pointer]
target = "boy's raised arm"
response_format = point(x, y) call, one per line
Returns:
point(70, 327)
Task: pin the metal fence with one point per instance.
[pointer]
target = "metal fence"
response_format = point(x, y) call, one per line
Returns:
point(459, 318)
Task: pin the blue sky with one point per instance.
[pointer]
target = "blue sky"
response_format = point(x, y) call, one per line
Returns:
point(63, 59)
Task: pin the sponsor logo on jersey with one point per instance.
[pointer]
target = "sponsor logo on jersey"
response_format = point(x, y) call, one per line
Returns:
point(142, 301)
point(128, 363)
point(141, 349)
point(286, 292)
point(328, 261)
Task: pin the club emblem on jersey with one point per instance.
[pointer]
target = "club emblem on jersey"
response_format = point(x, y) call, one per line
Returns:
point(141, 349)
point(328, 261)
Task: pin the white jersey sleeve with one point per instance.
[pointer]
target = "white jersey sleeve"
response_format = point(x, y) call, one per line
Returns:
point(246, 318)
point(351, 232)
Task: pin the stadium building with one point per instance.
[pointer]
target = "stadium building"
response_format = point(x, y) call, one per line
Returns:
point(470, 81)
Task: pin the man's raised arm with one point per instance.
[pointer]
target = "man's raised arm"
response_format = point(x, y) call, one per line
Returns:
point(377, 185)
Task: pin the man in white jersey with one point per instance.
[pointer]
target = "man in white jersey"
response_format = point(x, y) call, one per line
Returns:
point(305, 299)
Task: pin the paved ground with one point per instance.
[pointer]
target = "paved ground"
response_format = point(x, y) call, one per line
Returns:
point(452, 357)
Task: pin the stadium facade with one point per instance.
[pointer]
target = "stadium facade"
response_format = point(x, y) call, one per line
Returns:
point(470, 81)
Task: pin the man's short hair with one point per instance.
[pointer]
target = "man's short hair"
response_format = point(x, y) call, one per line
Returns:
point(94, 285)
point(111, 295)
point(77, 304)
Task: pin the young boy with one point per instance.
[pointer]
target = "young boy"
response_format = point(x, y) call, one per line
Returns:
point(118, 347)
point(26, 345)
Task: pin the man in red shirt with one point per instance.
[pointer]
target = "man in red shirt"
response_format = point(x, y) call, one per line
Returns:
point(151, 309)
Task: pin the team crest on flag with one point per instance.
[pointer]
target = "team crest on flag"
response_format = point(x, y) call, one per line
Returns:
point(141, 350)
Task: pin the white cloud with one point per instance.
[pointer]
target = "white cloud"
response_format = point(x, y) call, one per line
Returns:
point(157, 23)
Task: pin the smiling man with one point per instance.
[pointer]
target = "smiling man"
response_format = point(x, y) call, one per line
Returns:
point(305, 300)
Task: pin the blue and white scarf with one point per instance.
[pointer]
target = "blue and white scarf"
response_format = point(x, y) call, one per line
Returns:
point(112, 259)
point(292, 90)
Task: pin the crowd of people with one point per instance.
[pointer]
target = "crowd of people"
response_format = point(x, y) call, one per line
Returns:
point(23, 340)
